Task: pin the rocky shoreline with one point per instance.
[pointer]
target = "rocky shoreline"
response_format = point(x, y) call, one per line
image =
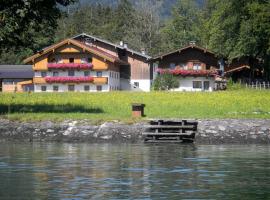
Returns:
point(225, 131)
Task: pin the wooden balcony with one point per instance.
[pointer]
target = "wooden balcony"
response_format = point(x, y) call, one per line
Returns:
point(100, 80)
point(97, 80)
point(99, 65)
point(39, 80)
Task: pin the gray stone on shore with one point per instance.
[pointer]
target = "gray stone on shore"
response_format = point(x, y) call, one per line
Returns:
point(227, 131)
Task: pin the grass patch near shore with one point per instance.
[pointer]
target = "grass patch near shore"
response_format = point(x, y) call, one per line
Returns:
point(117, 105)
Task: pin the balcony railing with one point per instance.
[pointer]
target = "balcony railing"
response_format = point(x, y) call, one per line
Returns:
point(63, 79)
point(181, 72)
point(79, 66)
point(100, 80)
point(39, 80)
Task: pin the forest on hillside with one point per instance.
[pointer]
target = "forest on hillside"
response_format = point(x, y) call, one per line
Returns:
point(230, 28)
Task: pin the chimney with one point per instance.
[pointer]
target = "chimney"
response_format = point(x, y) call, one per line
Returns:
point(125, 45)
point(121, 43)
point(192, 43)
point(143, 51)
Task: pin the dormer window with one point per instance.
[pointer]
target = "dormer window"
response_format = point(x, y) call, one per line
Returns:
point(83, 60)
point(53, 60)
point(90, 60)
point(59, 60)
point(71, 60)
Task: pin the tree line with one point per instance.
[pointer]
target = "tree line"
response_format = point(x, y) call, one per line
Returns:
point(230, 28)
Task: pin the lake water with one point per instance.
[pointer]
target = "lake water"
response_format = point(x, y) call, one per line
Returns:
point(134, 171)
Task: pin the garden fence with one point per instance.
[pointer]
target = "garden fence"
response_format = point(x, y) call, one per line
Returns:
point(258, 85)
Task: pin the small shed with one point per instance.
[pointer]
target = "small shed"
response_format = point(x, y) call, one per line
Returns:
point(16, 78)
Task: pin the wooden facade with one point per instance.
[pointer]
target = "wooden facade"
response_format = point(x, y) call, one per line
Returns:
point(186, 58)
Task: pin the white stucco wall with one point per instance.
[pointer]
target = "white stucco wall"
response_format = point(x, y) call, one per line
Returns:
point(64, 87)
point(186, 84)
point(113, 82)
point(144, 85)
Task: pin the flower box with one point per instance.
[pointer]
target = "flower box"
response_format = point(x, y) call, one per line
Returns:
point(78, 66)
point(181, 72)
point(67, 79)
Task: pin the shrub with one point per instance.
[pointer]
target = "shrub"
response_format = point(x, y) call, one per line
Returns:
point(165, 82)
point(233, 86)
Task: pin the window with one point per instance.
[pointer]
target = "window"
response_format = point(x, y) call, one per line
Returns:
point(172, 65)
point(197, 85)
point(71, 60)
point(55, 74)
point(183, 66)
point(53, 60)
point(99, 87)
point(59, 60)
point(90, 59)
point(197, 66)
point(55, 88)
point(99, 74)
point(86, 88)
point(8, 82)
point(83, 60)
point(206, 85)
point(86, 73)
point(71, 73)
point(71, 88)
point(136, 84)
point(43, 74)
point(43, 88)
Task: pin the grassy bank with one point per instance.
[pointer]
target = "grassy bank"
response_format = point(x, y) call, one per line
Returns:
point(117, 105)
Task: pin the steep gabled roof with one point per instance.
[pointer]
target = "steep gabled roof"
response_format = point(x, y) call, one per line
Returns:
point(112, 44)
point(16, 71)
point(183, 49)
point(93, 50)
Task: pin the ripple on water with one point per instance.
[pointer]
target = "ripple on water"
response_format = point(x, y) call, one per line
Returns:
point(107, 171)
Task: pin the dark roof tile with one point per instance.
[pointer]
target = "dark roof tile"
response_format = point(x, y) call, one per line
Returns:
point(16, 71)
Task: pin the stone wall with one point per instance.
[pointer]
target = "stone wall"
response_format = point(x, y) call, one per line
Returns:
point(229, 131)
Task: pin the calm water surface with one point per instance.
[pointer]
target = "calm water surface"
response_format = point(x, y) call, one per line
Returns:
point(134, 171)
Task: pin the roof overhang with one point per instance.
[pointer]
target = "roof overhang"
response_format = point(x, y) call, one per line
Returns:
point(179, 51)
point(52, 48)
point(237, 69)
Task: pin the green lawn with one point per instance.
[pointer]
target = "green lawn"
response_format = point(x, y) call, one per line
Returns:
point(117, 105)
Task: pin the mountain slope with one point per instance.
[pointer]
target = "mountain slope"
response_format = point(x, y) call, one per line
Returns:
point(165, 10)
